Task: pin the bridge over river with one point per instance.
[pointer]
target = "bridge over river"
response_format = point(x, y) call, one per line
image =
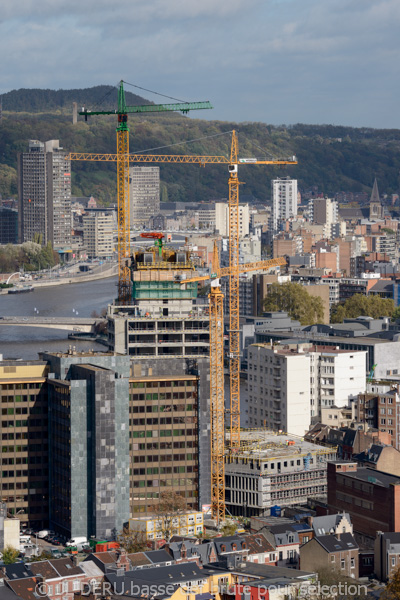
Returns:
point(78, 324)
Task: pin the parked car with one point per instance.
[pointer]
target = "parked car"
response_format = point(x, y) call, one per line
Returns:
point(43, 533)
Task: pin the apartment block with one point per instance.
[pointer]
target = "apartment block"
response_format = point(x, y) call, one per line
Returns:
point(222, 219)
point(379, 408)
point(287, 244)
point(289, 384)
point(324, 212)
point(25, 448)
point(275, 469)
point(98, 226)
point(144, 187)
point(44, 194)
point(284, 199)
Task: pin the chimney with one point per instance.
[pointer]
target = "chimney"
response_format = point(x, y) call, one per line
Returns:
point(75, 559)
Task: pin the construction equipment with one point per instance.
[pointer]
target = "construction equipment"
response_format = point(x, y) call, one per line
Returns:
point(216, 297)
point(371, 374)
point(157, 237)
point(234, 269)
point(217, 397)
point(122, 158)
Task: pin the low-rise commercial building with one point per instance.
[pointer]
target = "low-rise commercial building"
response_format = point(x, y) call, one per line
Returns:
point(187, 524)
point(274, 469)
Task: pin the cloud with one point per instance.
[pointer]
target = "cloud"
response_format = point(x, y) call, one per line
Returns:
point(272, 60)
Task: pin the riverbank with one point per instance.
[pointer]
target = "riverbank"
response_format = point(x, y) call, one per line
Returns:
point(104, 274)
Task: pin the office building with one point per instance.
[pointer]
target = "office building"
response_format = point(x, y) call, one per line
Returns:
point(25, 449)
point(164, 431)
point(101, 439)
point(275, 469)
point(44, 194)
point(144, 188)
point(284, 200)
point(289, 384)
point(98, 225)
point(88, 443)
point(370, 497)
point(8, 225)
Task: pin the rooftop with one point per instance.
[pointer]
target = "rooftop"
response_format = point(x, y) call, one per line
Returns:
point(265, 445)
point(373, 476)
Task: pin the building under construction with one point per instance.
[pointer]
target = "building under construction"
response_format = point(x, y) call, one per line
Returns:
point(165, 331)
point(271, 469)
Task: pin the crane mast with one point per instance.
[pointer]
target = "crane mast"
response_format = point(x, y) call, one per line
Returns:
point(234, 329)
point(217, 399)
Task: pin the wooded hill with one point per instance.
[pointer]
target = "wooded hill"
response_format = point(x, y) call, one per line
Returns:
point(331, 157)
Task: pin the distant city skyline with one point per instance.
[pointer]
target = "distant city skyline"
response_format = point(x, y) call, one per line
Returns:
point(272, 61)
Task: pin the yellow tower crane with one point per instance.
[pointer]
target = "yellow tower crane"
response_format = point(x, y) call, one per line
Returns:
point(217, 397)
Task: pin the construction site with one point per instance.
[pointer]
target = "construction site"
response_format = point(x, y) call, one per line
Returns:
point(274, 470)
point(160, 322)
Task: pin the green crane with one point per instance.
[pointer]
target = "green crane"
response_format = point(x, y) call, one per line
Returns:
point(124, 292)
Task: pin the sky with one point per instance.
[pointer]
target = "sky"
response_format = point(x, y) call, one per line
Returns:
point(272, 61)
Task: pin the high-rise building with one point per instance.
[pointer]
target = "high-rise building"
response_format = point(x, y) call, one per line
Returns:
point(88, 443)
point(144, 194)
point(165, 331)
point(44, 194)
point(98, 228)
point(284, 200)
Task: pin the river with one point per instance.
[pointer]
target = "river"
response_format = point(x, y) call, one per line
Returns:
point(78, 299)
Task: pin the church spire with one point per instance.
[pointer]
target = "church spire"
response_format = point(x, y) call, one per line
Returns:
point(375, 206)
point(375, 193)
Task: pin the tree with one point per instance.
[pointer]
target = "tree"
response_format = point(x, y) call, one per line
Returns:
point(10, 555)
point(42, 556)
point(392, 590)
point(360, 305)
point(296, 301)
point(169, 507)
point(228, 528)
point(338, 586)
point(132, 541)
point(396, 314)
